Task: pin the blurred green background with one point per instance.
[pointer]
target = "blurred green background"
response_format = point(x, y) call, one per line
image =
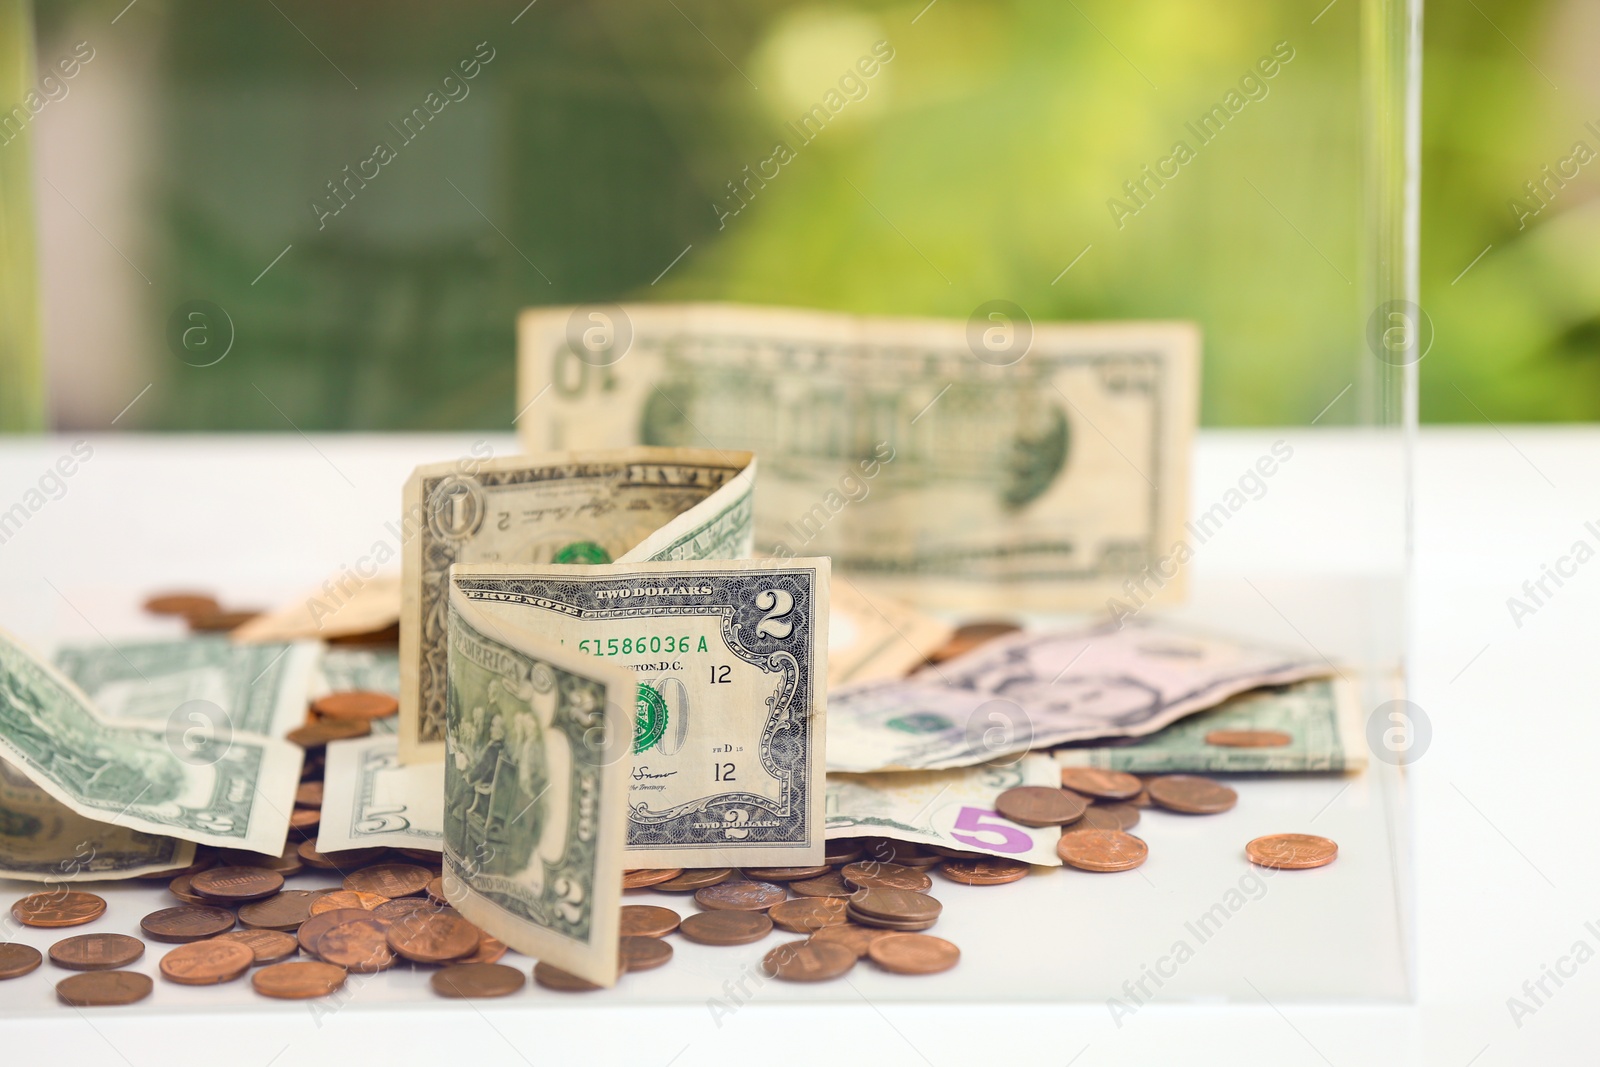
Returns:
point(591, 155)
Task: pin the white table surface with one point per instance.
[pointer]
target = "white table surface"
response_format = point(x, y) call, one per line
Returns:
point(1498, 863)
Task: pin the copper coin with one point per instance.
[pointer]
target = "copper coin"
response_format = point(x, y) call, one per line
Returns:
point(1191, 794)
point(180, 888)
point(96, 952)
point(1108, 817)
point(843, 850)
point(319, 733)
point(474, 980)
point(104, 989)
point(58, 908)
point(428, 857)
point(808, 961)
point(831, 884)
point(360, 946)
point(346, 898)
point(891, 925)
point(643, 953)
point(647, 920)
point(286, 864)
point(914, 954)
point(298, 980)
point(219, 622)
point(642, 879)
point(286, 911)
point(318, 925)
point(784, 874)
point(1039, 805)
point(986, 870)
point(851, 935)
point(433, 937)
point(1105, 785)
point(968, 637)
point(185, 604)
point(1140, 801)
point(954, 853)
point(808, 914)
point(552, 977)
point(269, 946)
point(17, 960)
point(356, 704)
point(905, 853)
point(191, 922)
point(308, 795)
point(1291, 852)
point(435, 890)
point(869, 874)
point(389, 880)
point(207, 962)
point(896, 905)
point(740, 896)
point(394, 909)
point(347, 860)
point(1101, 850)
point(304, 820)
point(489, 950)
point(236, 884)
point(695, 878)
point(1249, 738)
point(726, 927)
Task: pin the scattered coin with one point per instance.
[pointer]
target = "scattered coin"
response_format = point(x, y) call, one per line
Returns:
point(180, 888)
point(643, 953)
point(234, 885)
point(474, 980)
point(318, 734)
point(1105, 785)
point(428, 857)
point(304, 820)
point(394, 909)
point(207, 962)
point(808, 961)
point(695, 878)
point(347, 860)
point(434, 890)
point(360, 946)
point(104, 989)
point(726, 927)
point(914, 954)
point(808, 914)
point(298, 980)
point(1249, 738)
point(985, 870)
point(17, 960)
point(880, 907)
point(346, 898)
point(183, 604)
point(970, 636)
point(1101, 850)
point(308, 795)
point(561, 981)
point(96, 952)
point(1191, 794)
point(356, 704)
point(287, 864)
point(1291, 852)
point(269, 946)
point(641, 879)
point(58, 908)
point(784, 874)
point(190, 922)
point(870, 874)
point(432, 937)
point(851, 935)
point(390, 880)
point(219, 622)
point(286, 911)
point(1039, 805)
point(740, 896)
point(489, 950)
point(841, 851)
point(831, 884)
point(647, 920)
point(1108, 817)
point(317, 925)
point(904, 853)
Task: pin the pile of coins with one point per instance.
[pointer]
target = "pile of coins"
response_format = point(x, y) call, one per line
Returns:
point(201, 611)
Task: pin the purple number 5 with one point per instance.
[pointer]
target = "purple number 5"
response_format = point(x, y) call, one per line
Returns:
point(975, 820)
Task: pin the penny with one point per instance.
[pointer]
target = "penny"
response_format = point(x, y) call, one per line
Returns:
point(17, 960)
point(96, 952)
point(104, 989)
point(1108, 817)
point(394, 909)
point(854, 937)
point(319, 733)
point(269, 946)
point(695, 878)
point(474, 980)
point(740, 896)
point(647, 920)
point(808, 961)
point(435, 890)
point(207, 962)
point(433, 937)
point(1191, 794)
point(552, 977)
point(831, 884)
point(726, 927)
point(1101, 850)
point(895, 905)
point(954, 853)
point(318, 925)
point(784, 874)
point(349, 859)
point(297, 980)
point(987, 870)
point(234, 885)
point(1140, 801)
point(286, 911)
point(390, 880)
point(184, 603)
point(1039, 805)
point(346, 898)
point(304, 820)
point(356, 704)
point(1105, 785)
point(219, 622)
point(808, 914)
point(914, 954)
point(968, 637)
point(890, 925)
point(286, 864)
point(641, 879)
point(905, 853)
point(643, 953)
point(844, 850)
point(180, 888)
point(360, 946)
point(1291, 852)
point(1249, 738)
point(58, 908)
point(869, 874)
point(489, 950)
point(191, 922)
point(428, 857)
point(308, 795)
